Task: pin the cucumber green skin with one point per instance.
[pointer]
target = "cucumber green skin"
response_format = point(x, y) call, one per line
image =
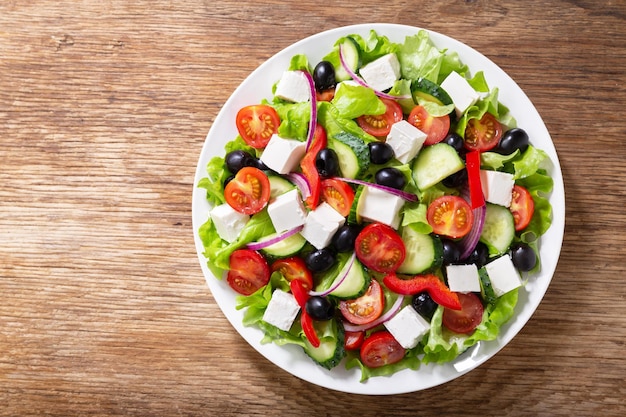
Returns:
point(434, 163)
point(279, 185)
point(430, 91)
point(331, 350)
point(285, 247)
point(352, 152)
point(486, 289)
point(355, 284)
point(423, 252)
point(499, 229)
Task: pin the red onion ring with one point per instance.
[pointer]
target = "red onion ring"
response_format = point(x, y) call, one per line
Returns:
point(269, 242)
point(313, 121)
point(301, 182)
point(403, 194)
point(336, 283)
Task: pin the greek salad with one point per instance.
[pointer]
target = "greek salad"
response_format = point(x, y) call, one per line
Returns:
point(381, 210)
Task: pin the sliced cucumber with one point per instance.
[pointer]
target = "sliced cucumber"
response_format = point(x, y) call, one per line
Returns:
point(423, 252)
point(425, 89)
point(486, 289)
point(434, 163)
point(285, 247)
point(499, 229)
point(352, 152)
point(279, 185)
point(352, 57)
point(353, 217)
point(354, 284)
point(331, 349)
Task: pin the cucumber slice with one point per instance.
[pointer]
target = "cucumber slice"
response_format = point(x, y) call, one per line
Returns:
point(499, 229)
point(352, 152)
point(486, 289)
point(425, 89)
point(352, 57)
point(434, 163)
point(331, 349)
point(279, 185)
point(423, 252)
point(354, 284)
point(285, 247)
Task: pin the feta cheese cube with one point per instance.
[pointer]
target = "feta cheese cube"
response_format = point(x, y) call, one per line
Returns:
point(287, 211)
point(283, 155)
point(503, 275)
point(460, 91)
point(228, 222)
point(497, 187)
point(407, 327)
point(463, 278)
point(321, 224)
point(406, 140)
point(381, 73)
point(293, 86)
point(380, 206)
point(282, 310)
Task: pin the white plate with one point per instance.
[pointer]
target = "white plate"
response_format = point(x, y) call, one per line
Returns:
point(291, 358)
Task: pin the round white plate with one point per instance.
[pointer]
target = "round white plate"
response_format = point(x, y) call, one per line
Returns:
point(292, 359)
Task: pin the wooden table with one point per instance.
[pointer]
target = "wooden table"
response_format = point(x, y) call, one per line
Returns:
point(104, 107)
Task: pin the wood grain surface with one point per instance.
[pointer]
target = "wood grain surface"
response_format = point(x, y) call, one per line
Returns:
point(104, 108)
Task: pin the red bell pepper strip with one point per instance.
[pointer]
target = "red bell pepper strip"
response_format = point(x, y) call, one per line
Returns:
point(309, 330)
point(299, 292)
point(472, 164)
point(308, 166)
point(436, 288)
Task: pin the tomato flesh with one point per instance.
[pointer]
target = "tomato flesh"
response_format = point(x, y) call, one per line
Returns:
point(353, 340)
point(450, 216)
point(380, 247)
point(249, 191)
point(294, 268)
point(381, 349)
point(379, 125)
point(467, 318)
point(522, 207)
point(436, 128)
point(366, 308)
point(338, 194)
point(248, 271)
point(484, 134)
point(256, 124)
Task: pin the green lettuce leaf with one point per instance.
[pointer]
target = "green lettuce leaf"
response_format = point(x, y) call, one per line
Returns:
point(352, 101)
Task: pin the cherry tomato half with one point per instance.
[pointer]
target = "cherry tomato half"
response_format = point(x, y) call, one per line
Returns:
point(338, 194)
point(248, 271)
point(380, 247)
point(366, 308)
point(353, 340)
point(435, 127)
point(256, 124)
point(522, 207)
point(249, 191)
point(381, 349)
point(294, 268)
point(484, 134)
point(467, 318)
point(450, 216)
point(380, 125)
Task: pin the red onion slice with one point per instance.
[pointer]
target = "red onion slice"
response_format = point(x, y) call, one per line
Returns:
point(336, 283)
point(362, 83)
point(301, 182)
point(349, 327)
point(261, 244)
point(403, 194)
point(469, 241)
point(313, 121)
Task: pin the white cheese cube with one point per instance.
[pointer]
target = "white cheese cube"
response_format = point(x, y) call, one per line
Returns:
point(503, 275)
point(282, 310)
point(287, 211)
point(380, 206)
point(463, 278)
point(497, 187)
point(460, 91)
point(321, 224)
point(381, 73)
point(228, 222)
point(406, 140)
point(293, 86)
point(283, 155)
point(407, 327)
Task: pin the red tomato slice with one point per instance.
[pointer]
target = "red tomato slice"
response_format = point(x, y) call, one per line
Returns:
point(522, 207)
point(256, 124)
point(338, 194)
point(381, 349)
point(484, 134)
point(308, 166)
point(467, 318)
point(435, 127)
point(294, 268)
point(248, 271)
point(366, 308)
point(380, 125)
point(450, 216)
point(249, 191)
point(380, 247)
point(353, 340)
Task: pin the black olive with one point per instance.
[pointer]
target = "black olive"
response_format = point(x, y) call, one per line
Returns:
point(320, 308)
point(260, 165)
point(344, 238)
point(456, 141)
point(424, 305)
point(513, 140)
point(523, 256)
point(327, 163)
point(479, 256)
point(456, 180)
point(390, 177)
point(324, 76)
point(451, 251)
point(320, 260)
point(229, 179)
point(238, 159)
point(380, 152)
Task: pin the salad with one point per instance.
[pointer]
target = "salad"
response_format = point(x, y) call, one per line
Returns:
point(382, 210)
